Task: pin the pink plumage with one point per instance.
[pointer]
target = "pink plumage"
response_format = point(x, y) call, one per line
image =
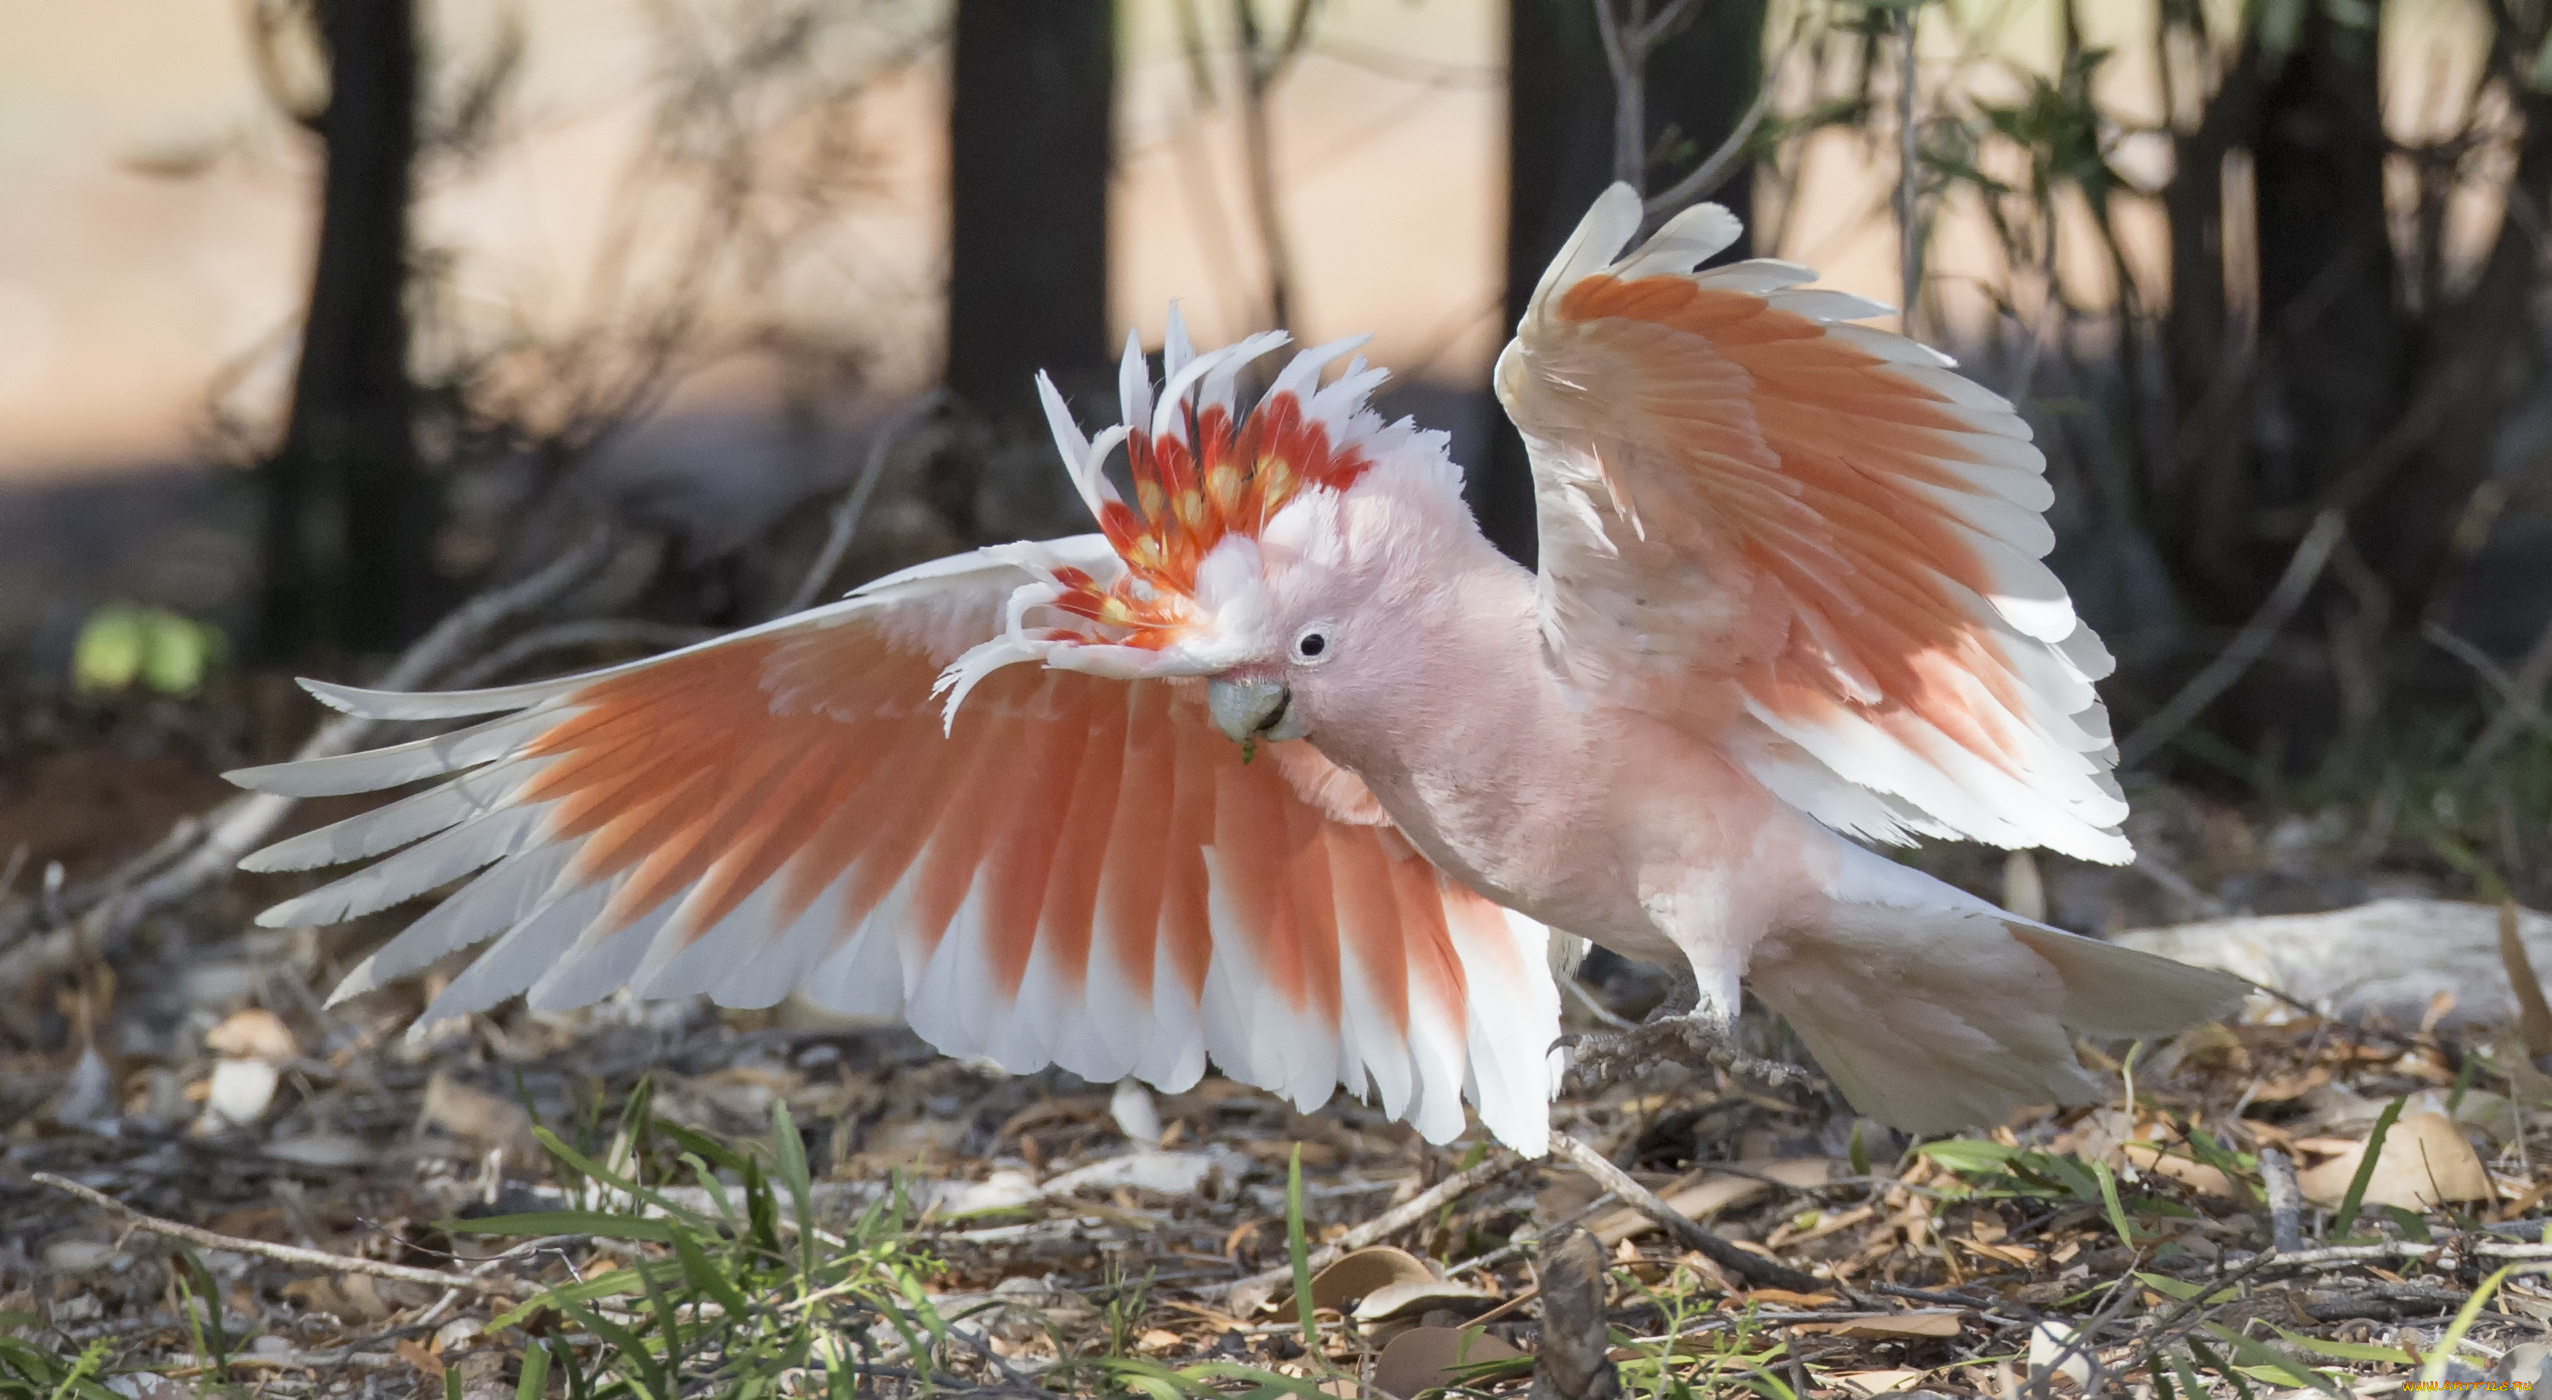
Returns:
point(1790, 593)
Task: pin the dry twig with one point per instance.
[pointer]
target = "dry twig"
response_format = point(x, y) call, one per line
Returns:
point(289, 1254)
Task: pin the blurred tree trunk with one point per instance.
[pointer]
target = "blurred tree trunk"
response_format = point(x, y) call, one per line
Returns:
point(1031, 137)
point(1560, 156)
point(350, 515)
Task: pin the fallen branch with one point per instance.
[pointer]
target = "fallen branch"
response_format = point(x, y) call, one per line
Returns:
point(290, 1254)
point(1752, 1267)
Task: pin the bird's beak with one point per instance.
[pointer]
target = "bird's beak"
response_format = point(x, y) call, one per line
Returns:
point(1246, 710)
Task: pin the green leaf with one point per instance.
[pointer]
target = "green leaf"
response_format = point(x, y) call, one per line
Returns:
point(1858, 1151)
point(625, 1348)
point(535, 1372)
point(666, 1323)
point(2109, 1200)
point(2183, 1290)
point(2346, 1351)
point(2432, 1373)
point(2350, 1204)
point(1969, 1155)
point(2215, 1363)
point(1299, 1251)
point(612, 1283)
point(600, 1224)
point(705, 1276)
point(793, 1174)
point(2261, 1356)
point(595, 1170)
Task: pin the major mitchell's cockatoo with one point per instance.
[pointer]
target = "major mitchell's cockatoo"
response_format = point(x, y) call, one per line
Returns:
point(1288, 768)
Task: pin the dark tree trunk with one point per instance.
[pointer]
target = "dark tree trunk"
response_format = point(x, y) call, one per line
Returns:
point(2328, 293)
point(1031, 141)
point(1560, 156)
point(350, 516)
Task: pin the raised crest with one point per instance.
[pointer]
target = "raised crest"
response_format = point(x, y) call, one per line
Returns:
point(1205, 476)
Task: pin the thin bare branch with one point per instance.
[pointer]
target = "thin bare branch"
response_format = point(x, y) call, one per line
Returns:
point(291, 1254)
point(846, 516)
point(2247, 646)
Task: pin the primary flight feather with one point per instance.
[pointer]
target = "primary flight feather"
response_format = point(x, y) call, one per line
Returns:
point(1289, 769)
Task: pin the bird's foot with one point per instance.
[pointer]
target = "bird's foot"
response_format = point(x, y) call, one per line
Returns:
point(1698, 1040)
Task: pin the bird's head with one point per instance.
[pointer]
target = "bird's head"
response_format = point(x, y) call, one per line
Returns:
point(1263, 550)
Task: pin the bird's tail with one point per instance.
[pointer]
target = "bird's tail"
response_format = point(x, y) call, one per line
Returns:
point(1932, 1009)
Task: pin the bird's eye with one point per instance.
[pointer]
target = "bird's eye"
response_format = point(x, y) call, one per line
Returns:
point(1311, 644)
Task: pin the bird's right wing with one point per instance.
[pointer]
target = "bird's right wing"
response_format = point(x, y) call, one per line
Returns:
point(1806, 541)
point(1080, 871)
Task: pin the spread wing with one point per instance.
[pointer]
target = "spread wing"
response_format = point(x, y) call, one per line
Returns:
point(1081, 871)
point(1807, 540)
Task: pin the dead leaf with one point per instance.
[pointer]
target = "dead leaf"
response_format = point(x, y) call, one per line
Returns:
point(1702, 1194)
point(1415, 1295)
point(2533, 1014)
point(1784, 1298)
point(1888, 1327)
point(2197, 1176)
point(1425, 1358)
point(254, 1034)
point(420, 1356)
point(1357, 1275)
point(2425, 1161)
point(477, 1116)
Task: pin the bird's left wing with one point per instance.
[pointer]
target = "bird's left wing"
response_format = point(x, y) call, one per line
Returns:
point(1079, 870)
point(1806, 541)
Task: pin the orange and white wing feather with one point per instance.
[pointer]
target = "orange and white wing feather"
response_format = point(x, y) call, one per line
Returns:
point(1082, 872)
point(1807, 540)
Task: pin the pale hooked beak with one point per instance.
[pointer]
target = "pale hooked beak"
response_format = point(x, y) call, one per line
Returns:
point(1246, 710)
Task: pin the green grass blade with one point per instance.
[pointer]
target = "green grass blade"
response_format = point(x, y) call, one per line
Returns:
point(599, 1224)
point(2261, 1356)
point(2206, 1356)
point(2355, 1200)
point(791, 1150)
point(624, 1346)
point(617, 1182)
point(2432, 1372)
point(535, 1378)
point(2346, 1351)
point(1299, 1251)
point(704, 1275)
point(2109, 1201)
point(668, 1324)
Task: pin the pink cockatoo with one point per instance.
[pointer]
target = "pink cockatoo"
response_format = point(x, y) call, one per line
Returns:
point(1288, 768)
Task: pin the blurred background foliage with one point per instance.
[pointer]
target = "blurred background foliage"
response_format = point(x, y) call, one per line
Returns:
point(2267, 276)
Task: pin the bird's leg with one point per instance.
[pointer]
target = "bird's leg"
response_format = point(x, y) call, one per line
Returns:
point(1680, 1030)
